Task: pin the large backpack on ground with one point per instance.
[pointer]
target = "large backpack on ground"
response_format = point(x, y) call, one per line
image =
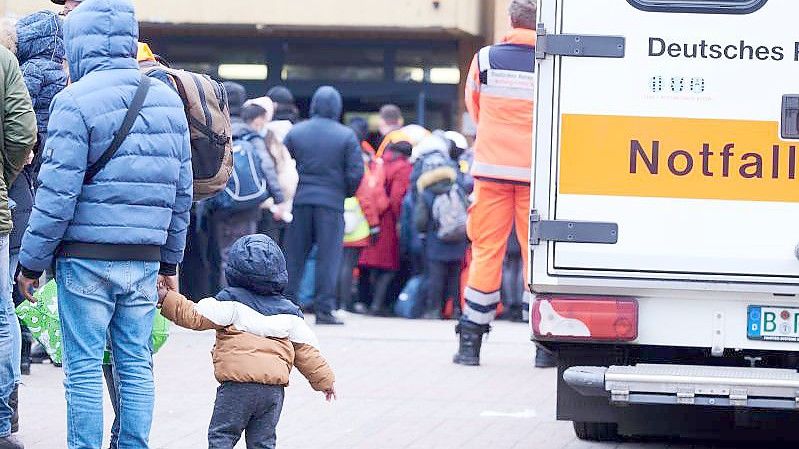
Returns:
point(246, 189)
point(410, 303)
point(206, 104)
point(449, 213)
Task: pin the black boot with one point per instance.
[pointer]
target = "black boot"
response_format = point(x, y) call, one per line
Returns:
point(25, 359)
point(471, 339)
point(13, 401)
point(432, 312)
point(545, 358)
point(11, 442)
point(38, 354)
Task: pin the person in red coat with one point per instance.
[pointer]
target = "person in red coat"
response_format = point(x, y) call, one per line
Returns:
point(382, 260)
point(365, 214)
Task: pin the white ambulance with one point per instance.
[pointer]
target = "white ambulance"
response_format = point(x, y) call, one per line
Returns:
point(665, 223)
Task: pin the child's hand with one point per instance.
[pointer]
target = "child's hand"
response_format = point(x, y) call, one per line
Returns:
point(330, 395)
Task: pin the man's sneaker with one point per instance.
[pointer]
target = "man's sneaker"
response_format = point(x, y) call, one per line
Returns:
point(11, 442)
point(328, 319)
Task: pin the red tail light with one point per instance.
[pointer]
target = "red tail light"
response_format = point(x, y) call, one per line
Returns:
point(585, 318)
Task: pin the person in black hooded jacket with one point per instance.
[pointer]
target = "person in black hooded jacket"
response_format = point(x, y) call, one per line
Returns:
point(329, 163)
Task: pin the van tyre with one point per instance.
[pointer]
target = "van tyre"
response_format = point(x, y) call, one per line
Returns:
point(597, 431)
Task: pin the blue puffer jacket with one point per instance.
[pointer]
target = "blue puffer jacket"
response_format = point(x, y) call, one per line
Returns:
point(143, 196)
point(40, 49)
point(328, 154)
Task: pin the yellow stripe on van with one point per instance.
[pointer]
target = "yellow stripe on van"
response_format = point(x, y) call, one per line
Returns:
point(677, 158)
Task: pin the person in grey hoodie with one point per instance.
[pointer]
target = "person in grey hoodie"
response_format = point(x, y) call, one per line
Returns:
point(227, 227)
point(330, 167)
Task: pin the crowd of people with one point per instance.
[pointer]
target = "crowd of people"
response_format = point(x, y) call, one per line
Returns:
point(361, 212)
point(107, 180)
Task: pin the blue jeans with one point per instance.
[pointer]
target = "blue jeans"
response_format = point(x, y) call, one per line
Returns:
point(10, 343)
point(97, 299)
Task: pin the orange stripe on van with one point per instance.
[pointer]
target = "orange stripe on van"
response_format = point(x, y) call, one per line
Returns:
point(677, 158)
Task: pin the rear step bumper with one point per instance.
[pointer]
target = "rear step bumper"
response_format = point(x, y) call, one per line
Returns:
point(689, 385)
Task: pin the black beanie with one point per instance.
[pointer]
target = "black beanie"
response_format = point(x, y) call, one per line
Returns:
point(401, 147)
point(236, 96)
point(280, 94)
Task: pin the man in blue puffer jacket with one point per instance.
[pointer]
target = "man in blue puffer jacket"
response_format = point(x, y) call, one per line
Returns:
point(109, 235)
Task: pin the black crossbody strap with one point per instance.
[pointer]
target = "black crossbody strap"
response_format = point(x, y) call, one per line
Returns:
point(130, 118)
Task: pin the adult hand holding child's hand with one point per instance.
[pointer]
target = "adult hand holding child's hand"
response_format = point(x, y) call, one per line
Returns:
point(165, 284)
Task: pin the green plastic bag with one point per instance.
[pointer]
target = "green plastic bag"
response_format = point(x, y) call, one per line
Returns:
point(42, 320)
point(158, 337)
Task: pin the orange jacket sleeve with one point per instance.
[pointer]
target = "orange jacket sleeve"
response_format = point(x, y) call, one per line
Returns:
point(313, 366)
point(472, 97)
point(179, 310)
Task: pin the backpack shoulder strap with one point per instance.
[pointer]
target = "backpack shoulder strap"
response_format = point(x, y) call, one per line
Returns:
point(484, 63)
point(249, 137)
point(130, 118)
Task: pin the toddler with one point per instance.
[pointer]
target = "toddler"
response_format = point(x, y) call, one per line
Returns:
point(260, 335)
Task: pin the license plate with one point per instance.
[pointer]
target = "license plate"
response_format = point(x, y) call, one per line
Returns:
point(773, 323)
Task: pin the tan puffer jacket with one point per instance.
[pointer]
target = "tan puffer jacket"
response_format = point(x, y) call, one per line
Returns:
point(251, 347)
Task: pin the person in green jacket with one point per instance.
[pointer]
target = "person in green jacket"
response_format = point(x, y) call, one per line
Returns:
point(17, 138)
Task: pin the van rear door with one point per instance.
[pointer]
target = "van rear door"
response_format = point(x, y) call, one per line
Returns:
point(688, 142)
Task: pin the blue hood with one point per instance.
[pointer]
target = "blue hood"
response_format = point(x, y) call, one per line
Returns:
point(327, 103)
point(40, 35)
point(257, 275)
point(256, 263)
point(101, 35)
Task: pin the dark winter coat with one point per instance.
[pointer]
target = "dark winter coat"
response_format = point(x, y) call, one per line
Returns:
point(430, 185)
point(40, 50)
point(410, 243)
point(328, 154)
point(143, 195)
point(21, 192)
point(17, 129)
point(385, 254)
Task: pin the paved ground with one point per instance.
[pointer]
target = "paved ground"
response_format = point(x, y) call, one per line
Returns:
point(397, 389)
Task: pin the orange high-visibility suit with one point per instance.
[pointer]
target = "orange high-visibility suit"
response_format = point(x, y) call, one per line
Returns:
point(499, 96)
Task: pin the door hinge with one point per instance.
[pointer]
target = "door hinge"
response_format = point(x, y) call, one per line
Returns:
point(578, 45)
point(571, 231)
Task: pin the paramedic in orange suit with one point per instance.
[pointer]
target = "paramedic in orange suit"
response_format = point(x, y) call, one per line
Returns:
point(499, 96)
